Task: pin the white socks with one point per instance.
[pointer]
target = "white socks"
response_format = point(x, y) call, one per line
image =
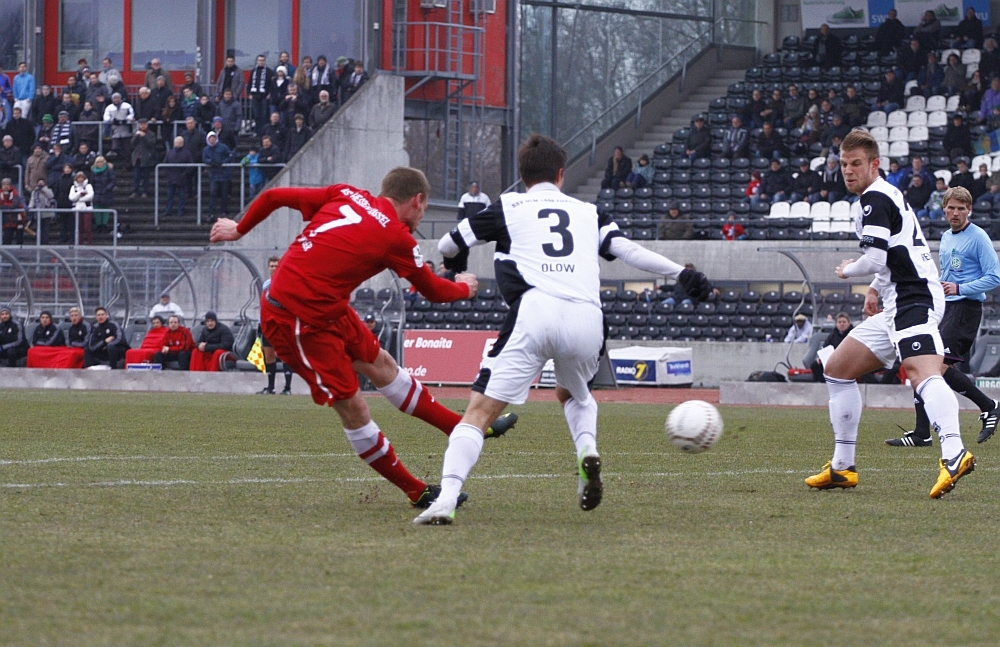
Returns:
point(464, 446)
point(368, 442)
point(582, 420)
point(398, 392)
point(942, 410)
point(845, 413)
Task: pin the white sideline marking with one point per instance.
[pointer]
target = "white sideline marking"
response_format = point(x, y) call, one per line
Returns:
point(236, 457)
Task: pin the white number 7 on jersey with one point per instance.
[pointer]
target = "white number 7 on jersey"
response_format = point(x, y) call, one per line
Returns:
point(351, 217)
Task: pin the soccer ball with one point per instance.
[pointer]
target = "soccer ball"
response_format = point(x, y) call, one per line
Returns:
point(694, 426)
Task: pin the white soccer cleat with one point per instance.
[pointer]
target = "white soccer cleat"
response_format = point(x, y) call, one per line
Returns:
point(440, 513)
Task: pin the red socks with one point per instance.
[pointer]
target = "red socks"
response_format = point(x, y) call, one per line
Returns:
point(412, 398)
point(382, 458)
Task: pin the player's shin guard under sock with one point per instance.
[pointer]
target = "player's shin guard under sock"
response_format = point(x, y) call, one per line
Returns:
point(464, 447)
point(582, 420)
point(374, 448)
point(960, 383)
point(845, 413)
point(270, 368)
point(942, 409)
point(409, 396)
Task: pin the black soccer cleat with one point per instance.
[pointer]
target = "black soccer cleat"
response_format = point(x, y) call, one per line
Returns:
point(431, 493)
point(501, 425)
point(591, 489)
point(989, 419)
point(286, 391)
point(266, 391)
point(909, 439)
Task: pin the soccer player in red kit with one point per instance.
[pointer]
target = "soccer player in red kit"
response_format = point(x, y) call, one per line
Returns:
point(306, 314)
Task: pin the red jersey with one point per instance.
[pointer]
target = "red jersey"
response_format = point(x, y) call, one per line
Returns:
point(178, 340)
point(351, 236)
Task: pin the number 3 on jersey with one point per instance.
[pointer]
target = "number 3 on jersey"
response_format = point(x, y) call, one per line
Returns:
point(561, 228)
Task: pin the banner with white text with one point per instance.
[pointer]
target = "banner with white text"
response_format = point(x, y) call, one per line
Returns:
point(859, 14)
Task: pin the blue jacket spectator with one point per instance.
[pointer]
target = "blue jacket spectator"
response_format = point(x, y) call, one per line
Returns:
point(215, 155)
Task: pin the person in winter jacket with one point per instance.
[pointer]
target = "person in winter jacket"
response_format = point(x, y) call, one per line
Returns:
point(47, 333)
point(231, 111)
point(121, 116)
point(297, 136)
point(177, 345)
point(81, 194)
point(178, 178)
point(106, 343)
point(35, 168)
point(79, 330)
point(42, 198)
point(255, 176)
point(102, 178)
point(13, 345)
point(215, 155)
point(14, 218)
point(143, 158)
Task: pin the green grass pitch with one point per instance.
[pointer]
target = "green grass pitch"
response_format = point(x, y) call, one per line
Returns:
point(149, 519)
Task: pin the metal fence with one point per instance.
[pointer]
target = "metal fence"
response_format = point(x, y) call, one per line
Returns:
point(48, 219)
point(198, 177)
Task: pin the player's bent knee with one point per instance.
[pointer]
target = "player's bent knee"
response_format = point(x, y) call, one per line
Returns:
point(353, 412)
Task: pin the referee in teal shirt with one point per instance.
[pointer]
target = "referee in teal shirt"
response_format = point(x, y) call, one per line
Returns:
point(969, 269)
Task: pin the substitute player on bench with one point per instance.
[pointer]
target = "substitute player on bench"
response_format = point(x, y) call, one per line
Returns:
point(969, 269)
point(896, 252)
point(306, 315)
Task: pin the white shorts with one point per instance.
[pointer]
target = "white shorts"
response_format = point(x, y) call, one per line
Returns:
point(879, 336)
point(539, 328)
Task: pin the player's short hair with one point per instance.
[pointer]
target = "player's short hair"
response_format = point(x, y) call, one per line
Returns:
point(402, 183)
point(273, 259)
point(959, 193)
point(539, 159)
point(859, 139)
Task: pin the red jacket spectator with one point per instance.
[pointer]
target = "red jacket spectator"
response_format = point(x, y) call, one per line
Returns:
point(732, 230)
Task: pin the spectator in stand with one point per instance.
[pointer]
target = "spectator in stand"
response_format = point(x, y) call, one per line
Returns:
point(737, 141)
point(160, 93)
point(972, 93)
point(44, 104)
point(254, 175)
point(102, 178)
point(963, 177)
point(284, 60)
point(990, 99)
point(981, 183)
point(204, 112)
point(775, 185)
point(302, 79)
point(178, 177)
point(81, 194)
point(83, 159)
point(473, 196)
point(194, 137)
point(918, 193)
point(642, 173)
point(805, 184)
point(811, 129)
point(732, 230)
point(970, 31)
point(54, 164)
point(699, 140)
point(10, 159)
point(934, 208)
point(342, 69)
point(835, 101)
point(61, 189)
point(839, 334)
point(912, 59)
point(192, 85)
point(832, 187)
point(214, 336)
point(75, 88)
point(269, 154)
point(770, 145)
point(230, 78)
point(47, 333)
point(357, 79)
point(42, 198)
point(295, 102)
point(795, 108)
point(79, 330)
point(13, 345)
point(854, 109)
point(106, 344)
point(827, 50)
point(826, 113)
point(989, 59)
point(834, 133)
point(753, 186)
point(143, 159)
point(177, 345)
point(68, 106)
point(928, 30)
point(107, 68)
point(917, 168)
point(890, 93)
point(813, 99)
point(259, 90)
point(279, 89)
point(165, 120)
point(297, 136)
point(166, 307)
point(35, 168)
point(674, 226)
point(322, 111)
point(155, 72)
point(322, 78)
point(6, 92)
point(993, 189)
point(12, 213)
point(121, 116)
point(62, 131)
point(896, 174)
point(98, 93)
point(889, 35)
point(754, 108)
point(21, 131)
point(617, 170)
point(801, 330)
point(275, 130)
point(230, 110)
point(226, 136)
point(958, 139)
point(774, 110)
point(115, 84)
point(953, 79)
point(189, 102)
point(215, 155)
point(24, 89)
point(89, 134)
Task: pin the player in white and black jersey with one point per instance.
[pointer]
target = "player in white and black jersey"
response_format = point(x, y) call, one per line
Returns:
point(896, 252)
point(548, 271)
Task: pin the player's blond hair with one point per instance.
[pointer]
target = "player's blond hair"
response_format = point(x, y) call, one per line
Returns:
point(859, 139)
point(959, 193)
point(402, 183)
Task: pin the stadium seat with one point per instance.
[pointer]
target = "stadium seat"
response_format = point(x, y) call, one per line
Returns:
point(883, 148)
point(820, 210)
point(971, 55)
point(896, 134)
point(909, 86)
point(943, 173)
point(899, 149)
point(896, 118)
point(976, 161)
point(952, 104)
point(821, 225)
point(876, 118)
point(935, 103)
point(799, 210)
point(840, 210)
point(916, 102)
point(816, 163)
point(779, 210)
point(937, 119)
point(880, 133)
point(918, 134)
point(917, 118)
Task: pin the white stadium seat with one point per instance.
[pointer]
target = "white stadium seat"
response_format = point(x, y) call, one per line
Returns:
point(996, 164)
point(876, 118)
point(799, 210)
point(937, 102)
point(899, 134)
point(971, 69)
point(910, 85)
point(944, 173)
point(883, 148)
point(820, 210)
point(915, 103)
point(952, 105)
point(937, 118)
point(899, 149)
point(823, 224)
point(883, 162)
point(896, 118)
point(976, 161)
point(816, 163)
point(841, 225)
point(943, 58)
point(971, 56)
point(880, 133)
point(917, 118)
point(840, 210)
point(918, 134)
point(779, 210)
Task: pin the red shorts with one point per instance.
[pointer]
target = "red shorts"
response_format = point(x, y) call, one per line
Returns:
point(320, 356)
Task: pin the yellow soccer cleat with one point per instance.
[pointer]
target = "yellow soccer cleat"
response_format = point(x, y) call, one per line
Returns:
point(951, 471)
point(830, 478)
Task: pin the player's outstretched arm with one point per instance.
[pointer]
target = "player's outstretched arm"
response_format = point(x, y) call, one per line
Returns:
point(637, 256)
point(439, 290)
point(308, 201)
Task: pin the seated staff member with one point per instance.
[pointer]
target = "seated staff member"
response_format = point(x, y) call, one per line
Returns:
point(47, 333)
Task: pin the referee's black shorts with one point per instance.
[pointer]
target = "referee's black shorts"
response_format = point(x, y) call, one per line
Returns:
point(959, 328)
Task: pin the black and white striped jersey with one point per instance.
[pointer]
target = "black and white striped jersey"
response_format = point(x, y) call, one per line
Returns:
point(908, 279)
point(546, 240)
